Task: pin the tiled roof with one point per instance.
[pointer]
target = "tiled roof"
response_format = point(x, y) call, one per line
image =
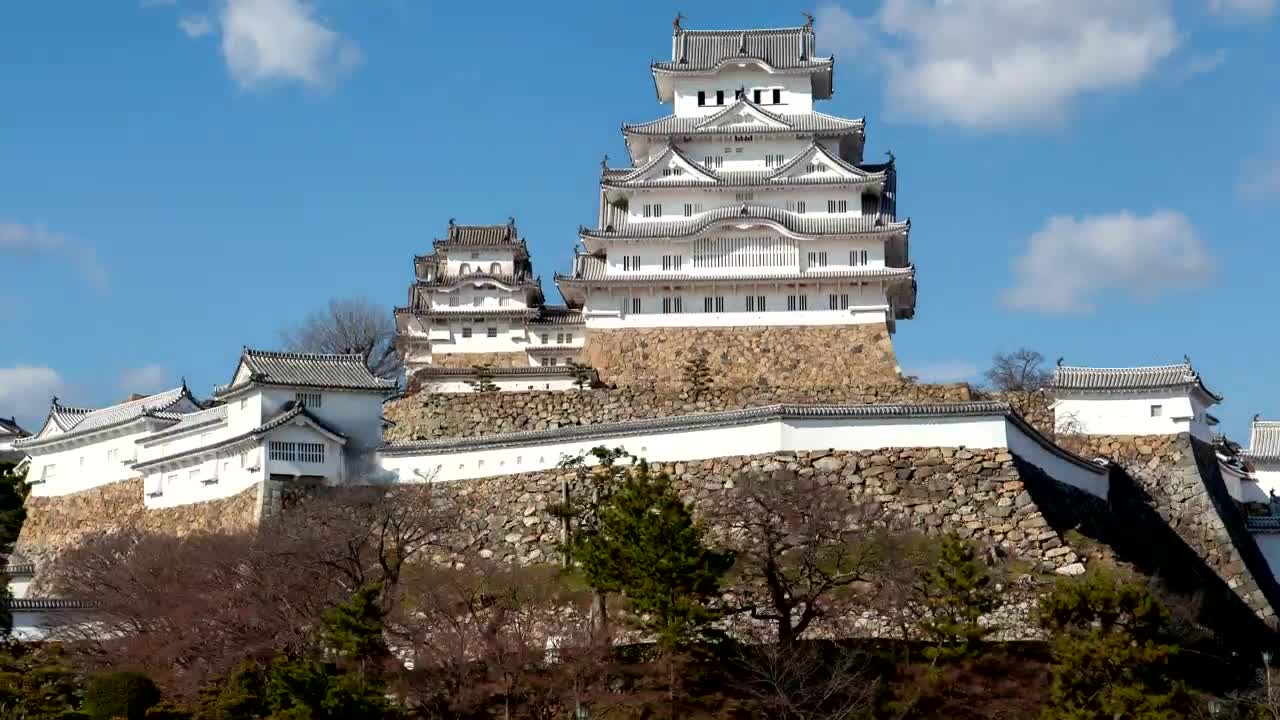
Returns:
point(1264, 440)
point(634, 177)
point(780, 48)
point(10, 427)
point(190, 421)
point(480, 235)
point(593, 269)
point(78, 421)
point(557, 315)
point(804, 224)
point(1262, 524)
point(435, 372)
point(469, 312)
point(1136, 378)
point(804, 123)
point(340, 372)
point(737, 417)
point(46, 604)
point(509, 280)
point(289, 411)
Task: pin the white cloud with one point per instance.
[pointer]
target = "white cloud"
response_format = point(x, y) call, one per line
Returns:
point(145, 379)
point(195, 25)
point(1243, 8)
point(1203, 63)
point(945, 371)
point(25, 391)
point(32, 240)
point(1004, 63)
point(1070, 260)
point(266, 42)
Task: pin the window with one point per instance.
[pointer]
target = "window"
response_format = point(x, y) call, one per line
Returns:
point(635, 305)
point(713, 161)
point(857, 257)
point(737, 94)
point(744, 196)
point(818, 259)
point(475, 301)
point(838, 302)
point(742, 138)
point(545, 336)
point(466, 332)
point(311, 452)
point(546, 362)
point(719, 97)
point(691, 208)
point(653, 210)
point(673, 170)
point(774, 161)
point(796, 206)
point(837, 206)
point(672, 305)
point(504, 301)
point(193, 476)
point(631, 262)
point(713, 304)
point(296, 451)
point(81, 462)
point(111, 455)
point(475, 255)
point(491, 332)
point(454, 301)
point(1157, 410)
point(777, 96)
point(244, 459)
point(244, 403)
point(49, 472)
point(702, 98)
point(797, 302)
point(559, 338)
point(755, 303)
point(171, 480)
point(568, 337)
point(672, 262)
point(310, 399)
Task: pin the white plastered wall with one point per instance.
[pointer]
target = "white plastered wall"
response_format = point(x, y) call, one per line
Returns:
point(1130, 414)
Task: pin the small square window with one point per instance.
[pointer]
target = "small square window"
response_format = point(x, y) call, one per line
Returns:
point(492, 332)
point(1157, 410)
point(466, 332)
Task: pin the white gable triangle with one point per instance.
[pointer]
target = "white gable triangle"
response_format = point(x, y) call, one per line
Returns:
point(743, 116)
point(675, 167)
point(816, 162)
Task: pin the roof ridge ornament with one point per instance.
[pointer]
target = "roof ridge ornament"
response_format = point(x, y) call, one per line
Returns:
point(808, 19)
point(675, 22)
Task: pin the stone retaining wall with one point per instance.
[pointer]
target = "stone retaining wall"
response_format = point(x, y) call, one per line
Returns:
point(58, 522)
point(428, 416)
point(469, 360)
point(787, 356)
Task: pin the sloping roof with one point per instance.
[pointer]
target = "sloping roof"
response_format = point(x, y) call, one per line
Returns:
point(813, 122)
point(1155, 377)
point(594, 269)
point(557, 315)
point(10, 427)
point(190, 421)
point(780, 48)
point(78, 421)
point(634, 177)
point(480, 277)
point(1264, 440)
point(318, 370)
point(289, 411)
point(804, 224)
point(480, 235)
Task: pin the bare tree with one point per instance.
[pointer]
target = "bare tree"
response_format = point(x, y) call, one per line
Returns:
point(1019, 371)
point(350, 326)
point(799, 545)
point(808, 680)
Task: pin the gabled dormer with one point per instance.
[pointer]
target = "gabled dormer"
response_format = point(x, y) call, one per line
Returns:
point(817, 163)
point(743, 115)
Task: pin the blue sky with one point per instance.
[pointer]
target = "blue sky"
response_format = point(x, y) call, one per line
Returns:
point(180, 178)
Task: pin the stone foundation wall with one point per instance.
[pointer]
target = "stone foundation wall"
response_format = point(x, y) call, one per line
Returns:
point(792, 357)
point(469, 360)
point(429, 416)
point(63, 521)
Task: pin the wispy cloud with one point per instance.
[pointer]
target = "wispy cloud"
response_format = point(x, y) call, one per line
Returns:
point(945, 371)
point(1003, 63)
point(1204, 63)
point(19, 239)
point(146, 379)
point(25, 391)
point(1070, 260)
point(195, 25)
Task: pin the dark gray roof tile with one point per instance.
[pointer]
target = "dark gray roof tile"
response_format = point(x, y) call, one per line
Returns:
point(1155, 377)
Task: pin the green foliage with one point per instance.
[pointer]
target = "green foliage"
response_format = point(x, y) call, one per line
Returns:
point(35, 684)
point(647, 546)
point(354, 628)
point(483, 380)
point(13, 492)
point(242, 694)
point(697, 373)
point(309, 689)
point(1113, 648)
point(120, 695)
point(583, 375)
point(957, 591)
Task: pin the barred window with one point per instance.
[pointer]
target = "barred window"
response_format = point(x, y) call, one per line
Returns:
point(672, 262)
point(466, 332)
point(491, 332)
point(310, 399)
point(744, 197)
point(311, 452)
point(631, 263)
point(818, 259)
point(672, 305)
point(296, 451)
point(755, 303)
point(653, 210)
point(796, 206)
point(857, 257)
point(837, 206)
point(838, 302)
point(713, 304)
point(797, 302)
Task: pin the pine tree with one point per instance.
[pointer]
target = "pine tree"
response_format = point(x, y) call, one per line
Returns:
point(13, 492)
point(354, 628)
point(648, 547)
point(583, 375)
point(125, 695)
point(483, 380)
point(957, 592)
point(1113, 650)
point(697, 373)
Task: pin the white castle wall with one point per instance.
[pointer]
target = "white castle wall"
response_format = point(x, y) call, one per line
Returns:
point(797, 90)
point(1131, 414)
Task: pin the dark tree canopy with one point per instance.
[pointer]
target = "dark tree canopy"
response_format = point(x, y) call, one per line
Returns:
point(349, 326)
point(1019, 371)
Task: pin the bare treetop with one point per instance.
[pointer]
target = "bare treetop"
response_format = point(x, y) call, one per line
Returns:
point(350, 326)
point(1019, 371)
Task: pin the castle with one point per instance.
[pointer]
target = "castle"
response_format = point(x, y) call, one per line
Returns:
point(748, 231)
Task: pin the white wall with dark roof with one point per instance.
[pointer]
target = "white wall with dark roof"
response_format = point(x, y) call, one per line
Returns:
point(86, 465)
point(1131, 413)
point(797, 90)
